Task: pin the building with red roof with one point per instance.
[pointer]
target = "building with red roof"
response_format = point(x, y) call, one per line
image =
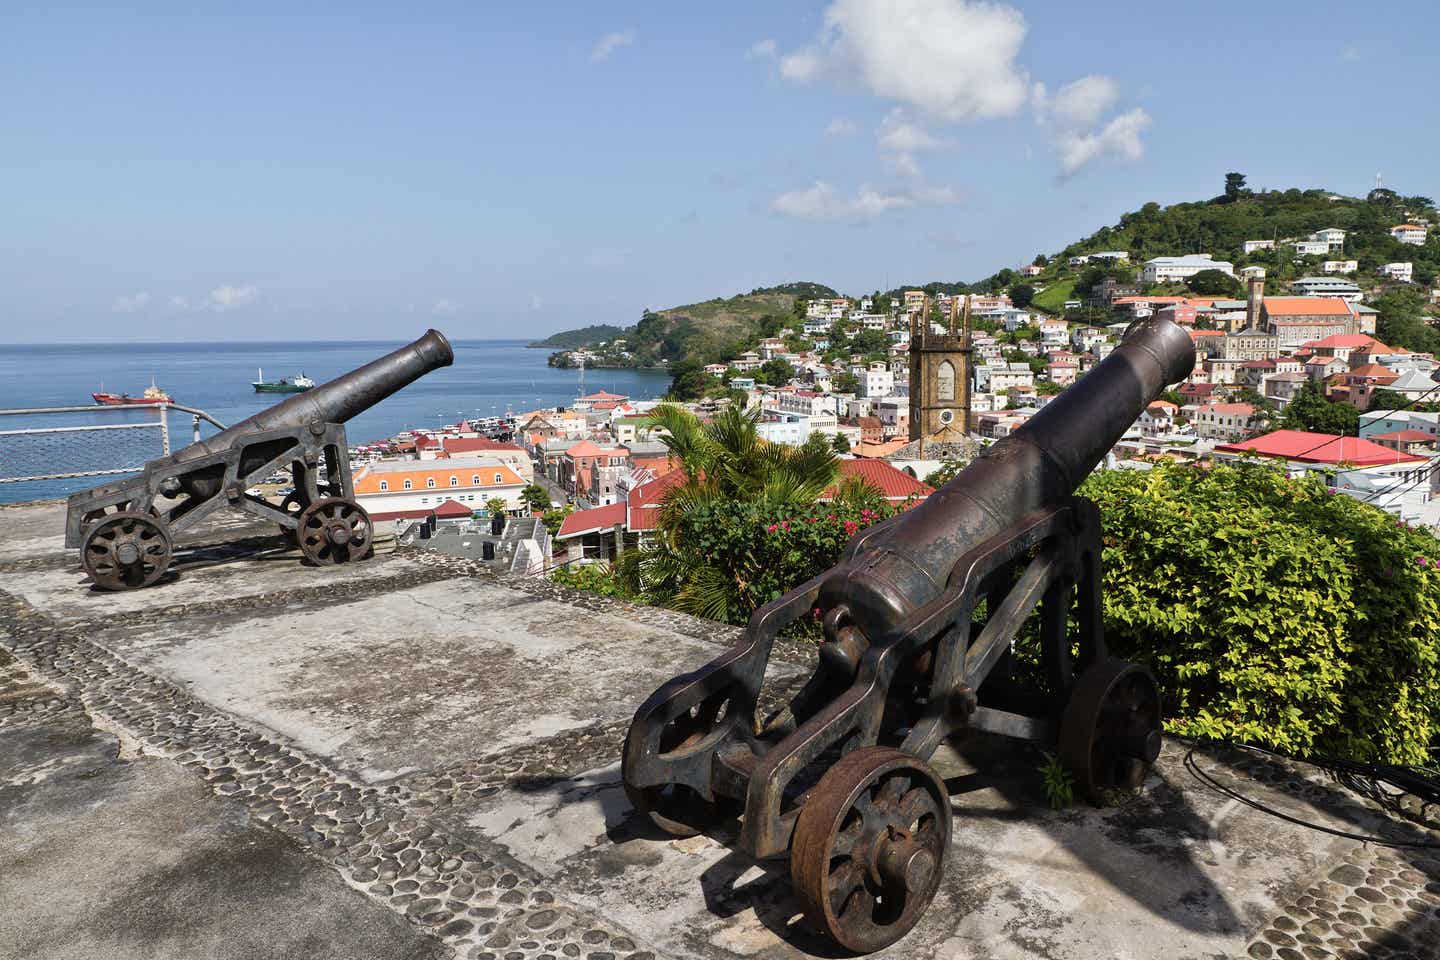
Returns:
point(1299, 320)
point(1414, 442)
point(1301, 447)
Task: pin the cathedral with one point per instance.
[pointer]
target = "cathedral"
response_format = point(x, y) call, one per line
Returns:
point(940, 374)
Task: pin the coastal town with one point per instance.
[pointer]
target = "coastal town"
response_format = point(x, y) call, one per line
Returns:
point(841, 373)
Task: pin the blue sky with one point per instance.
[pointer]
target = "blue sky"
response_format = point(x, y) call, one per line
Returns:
point(209, 171)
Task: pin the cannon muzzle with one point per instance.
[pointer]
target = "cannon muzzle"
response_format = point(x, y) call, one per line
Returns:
point(341, 398)
point(897, 567)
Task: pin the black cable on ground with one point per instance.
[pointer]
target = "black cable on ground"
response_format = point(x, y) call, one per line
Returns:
point(1362, 778)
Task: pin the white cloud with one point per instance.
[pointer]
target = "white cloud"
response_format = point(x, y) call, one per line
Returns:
point(901, 164)
point(762, 49)
point(178, 302)
point(609, 43)
point(1117, 140)
point(1078, 105)
point(444, 308)
point(900, 135)
point(536, 304)
point(820, 202)
point(132, 303)
point(953, 60)
point(226, 297)
point(841, 127)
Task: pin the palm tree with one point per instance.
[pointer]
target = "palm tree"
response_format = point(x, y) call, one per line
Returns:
point(725, 462)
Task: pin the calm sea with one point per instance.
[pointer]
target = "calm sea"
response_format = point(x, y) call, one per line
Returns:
point(488, 378)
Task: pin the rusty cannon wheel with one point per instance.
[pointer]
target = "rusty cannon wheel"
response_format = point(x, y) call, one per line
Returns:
point(1110, 734)
point(126, 550)
point(335, 530)
point(293, 505)
point(869, 848)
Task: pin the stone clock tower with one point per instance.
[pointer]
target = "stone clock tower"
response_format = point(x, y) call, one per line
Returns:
point(940, 373)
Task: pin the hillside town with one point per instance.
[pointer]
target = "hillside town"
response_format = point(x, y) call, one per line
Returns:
point(840, 373)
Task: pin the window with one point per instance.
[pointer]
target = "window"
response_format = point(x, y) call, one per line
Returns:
point(499, 478)
point(384, 485)
point(454, 481)
point(429, 481)
point(407, 484)
point(475, 480)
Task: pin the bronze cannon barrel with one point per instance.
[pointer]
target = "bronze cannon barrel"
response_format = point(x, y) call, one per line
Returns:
point(339, 399)
point(897, 567)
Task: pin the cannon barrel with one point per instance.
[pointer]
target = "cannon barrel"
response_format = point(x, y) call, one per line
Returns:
point(338, 400)
point(897, 567)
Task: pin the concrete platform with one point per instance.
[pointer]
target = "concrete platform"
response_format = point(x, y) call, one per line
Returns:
point(405, 758)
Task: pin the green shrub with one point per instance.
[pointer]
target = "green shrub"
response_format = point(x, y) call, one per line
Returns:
point(739, 555)
point(592, 577)
point(1274, 611)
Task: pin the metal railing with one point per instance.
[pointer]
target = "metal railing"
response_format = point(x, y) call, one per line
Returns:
point(68, 451)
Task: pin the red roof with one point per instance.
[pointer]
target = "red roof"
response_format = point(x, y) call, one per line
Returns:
point(1306, 306)
point(587, 449)
point(1305, 447)
point(1348, 341)
point(1230, 409)
point(449, 510)
point(474, 444)
point(1406, 436)
point(1373, 371)
point(643, 505)
point(582, 522)
point(894, 483)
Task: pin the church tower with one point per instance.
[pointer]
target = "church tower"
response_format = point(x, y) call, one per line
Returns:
point(940, 373)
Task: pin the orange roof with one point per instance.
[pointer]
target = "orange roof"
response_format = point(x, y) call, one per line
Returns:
point(659, 465)
point(1374, 371)
point(1306, 306)
point(1196, 334)
point(1348, 341)
point(587, 449)
point(368, 480)
point(1230, 409)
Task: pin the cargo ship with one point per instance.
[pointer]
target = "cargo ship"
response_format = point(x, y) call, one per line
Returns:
point(297, 385)
point(152, 395)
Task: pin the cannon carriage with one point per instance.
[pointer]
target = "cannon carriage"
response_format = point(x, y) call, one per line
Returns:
point(918, 620)
point(125, 530)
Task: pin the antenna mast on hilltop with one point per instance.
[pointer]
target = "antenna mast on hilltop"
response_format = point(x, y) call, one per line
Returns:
point(1379, 182)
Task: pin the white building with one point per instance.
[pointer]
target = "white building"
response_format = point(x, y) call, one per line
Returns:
point(1250, 246)
point(1014, 319)
point(1008, 375)
point(876, 380)
point(827, 309)
point(1167, 269)
point(794, 428)
point(1310, 248)
point(1403, 272)
point(1411, 233)
point(1054, 331)
point(1247, 273)
point(388, 489)
point(1327, 287)
point(1340, 266)
point(1030, 270)
point(1333, 236)
point(1114, 256)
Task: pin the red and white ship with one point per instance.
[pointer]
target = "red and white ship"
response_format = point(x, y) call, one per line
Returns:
point(152, 395)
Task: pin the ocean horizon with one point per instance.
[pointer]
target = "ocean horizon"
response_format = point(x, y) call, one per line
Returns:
point(488, 378)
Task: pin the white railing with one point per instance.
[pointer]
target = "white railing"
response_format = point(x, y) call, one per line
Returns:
point(64, 451)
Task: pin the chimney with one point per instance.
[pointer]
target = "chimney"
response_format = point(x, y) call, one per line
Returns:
point(1257, 299)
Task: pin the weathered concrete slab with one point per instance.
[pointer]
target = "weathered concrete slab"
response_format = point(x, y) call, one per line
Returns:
point(134, 859)
point(416, 678)
point(219, 574)
point(443, 748)
point(32, 530)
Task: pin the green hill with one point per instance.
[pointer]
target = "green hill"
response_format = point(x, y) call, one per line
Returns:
point(570, 339)
point(709, 330)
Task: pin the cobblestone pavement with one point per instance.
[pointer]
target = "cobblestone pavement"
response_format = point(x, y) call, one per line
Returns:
point(527, 849)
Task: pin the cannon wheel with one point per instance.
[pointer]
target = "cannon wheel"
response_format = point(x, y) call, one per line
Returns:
point(293, 504)
point(869, 848)
point(126, 550)
point(1110, 734)
point(676, 808)
point(335, 530)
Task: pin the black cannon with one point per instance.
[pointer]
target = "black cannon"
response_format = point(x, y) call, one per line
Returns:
point(838, 775)
point(125, 529)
